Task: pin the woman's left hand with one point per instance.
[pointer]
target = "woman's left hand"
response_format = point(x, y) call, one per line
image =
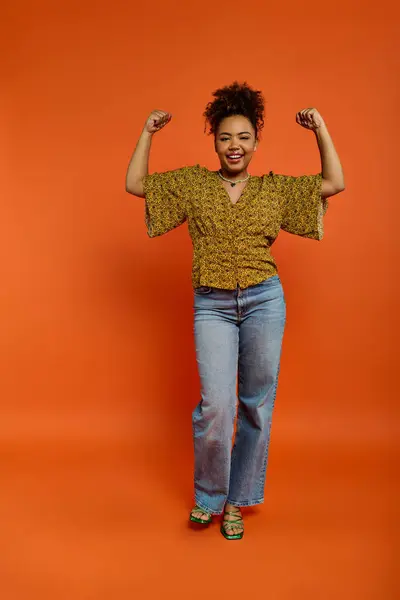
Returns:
point(309, 118)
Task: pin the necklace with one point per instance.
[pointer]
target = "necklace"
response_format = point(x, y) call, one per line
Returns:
point(233, 183)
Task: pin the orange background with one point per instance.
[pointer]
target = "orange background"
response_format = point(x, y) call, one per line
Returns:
point(97, 357)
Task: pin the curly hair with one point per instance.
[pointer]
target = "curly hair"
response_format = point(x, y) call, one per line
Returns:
point(235, 99)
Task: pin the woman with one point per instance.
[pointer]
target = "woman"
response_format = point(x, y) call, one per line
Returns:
point(239, 307)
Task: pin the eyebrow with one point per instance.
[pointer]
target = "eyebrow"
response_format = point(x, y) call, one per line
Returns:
point(226, 133)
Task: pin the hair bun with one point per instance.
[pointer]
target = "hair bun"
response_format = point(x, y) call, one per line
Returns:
point(235, 99)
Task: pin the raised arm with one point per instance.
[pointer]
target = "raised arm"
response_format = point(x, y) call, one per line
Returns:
point(332, 172)
point(139, 164)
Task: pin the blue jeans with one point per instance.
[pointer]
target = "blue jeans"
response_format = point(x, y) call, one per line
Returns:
point(238, 337)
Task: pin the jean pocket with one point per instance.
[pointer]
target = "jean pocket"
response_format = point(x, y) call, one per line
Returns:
point(203, 290)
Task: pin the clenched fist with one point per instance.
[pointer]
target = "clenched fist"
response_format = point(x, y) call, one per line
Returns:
point(157, 120)
point(309, 118)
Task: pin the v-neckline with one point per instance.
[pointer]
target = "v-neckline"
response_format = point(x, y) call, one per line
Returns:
point(226, 193)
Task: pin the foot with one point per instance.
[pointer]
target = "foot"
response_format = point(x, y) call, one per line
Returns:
point(199, 515)
point(232, 523)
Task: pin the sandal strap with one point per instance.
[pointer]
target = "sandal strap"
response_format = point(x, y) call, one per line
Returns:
point(233, 514)
point(200, 510)
point(231, 524)
point(233, 521)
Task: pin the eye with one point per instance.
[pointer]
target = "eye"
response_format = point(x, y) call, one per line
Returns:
point(223, 139)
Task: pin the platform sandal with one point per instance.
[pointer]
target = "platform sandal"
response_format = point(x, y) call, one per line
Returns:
point(197, 509)
point(227, 526)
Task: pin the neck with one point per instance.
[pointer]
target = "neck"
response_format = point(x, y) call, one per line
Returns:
point(234, 176)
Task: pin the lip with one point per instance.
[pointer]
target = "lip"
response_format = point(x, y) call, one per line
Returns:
point(235, 160)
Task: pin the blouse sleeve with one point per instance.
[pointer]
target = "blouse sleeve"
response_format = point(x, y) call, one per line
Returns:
point(303, 207)
point(166, 200)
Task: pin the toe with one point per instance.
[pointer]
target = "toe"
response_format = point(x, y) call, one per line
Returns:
point(200, 515)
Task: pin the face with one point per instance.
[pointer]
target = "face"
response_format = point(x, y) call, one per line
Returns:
point(235, 142)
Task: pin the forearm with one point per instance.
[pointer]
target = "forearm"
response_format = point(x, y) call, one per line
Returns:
point(139, 165)
point(332, 172)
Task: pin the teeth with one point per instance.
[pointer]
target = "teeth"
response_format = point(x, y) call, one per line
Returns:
point(234, 156)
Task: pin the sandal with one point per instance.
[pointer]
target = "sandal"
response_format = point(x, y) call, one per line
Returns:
point(197, 509)
point(228, 525)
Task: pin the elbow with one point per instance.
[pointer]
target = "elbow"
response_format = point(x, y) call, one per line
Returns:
point(331, 188)
point(340, 185)
point(337, 189)
point(134, 188)
point(337, 185)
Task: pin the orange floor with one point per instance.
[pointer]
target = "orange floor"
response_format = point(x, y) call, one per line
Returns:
point(86, 521)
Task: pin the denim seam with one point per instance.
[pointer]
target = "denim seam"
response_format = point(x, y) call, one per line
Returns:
point(199, 503)
point(264, 469)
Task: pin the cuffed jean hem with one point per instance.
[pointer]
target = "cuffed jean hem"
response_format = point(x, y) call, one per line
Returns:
point(207, 509)
point(243, 504)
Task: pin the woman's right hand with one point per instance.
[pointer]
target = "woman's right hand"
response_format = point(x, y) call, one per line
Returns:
point(157, 120)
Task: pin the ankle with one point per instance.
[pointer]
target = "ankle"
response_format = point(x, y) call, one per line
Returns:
point(232, 507)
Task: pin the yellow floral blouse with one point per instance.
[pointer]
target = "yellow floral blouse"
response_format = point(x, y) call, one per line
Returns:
point(232, 242)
